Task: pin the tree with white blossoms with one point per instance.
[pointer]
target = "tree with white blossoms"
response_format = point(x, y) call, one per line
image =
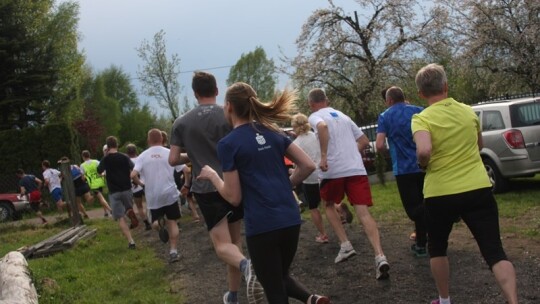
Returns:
point(353, 56)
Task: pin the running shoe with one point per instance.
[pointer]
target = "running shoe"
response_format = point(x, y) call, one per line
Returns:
point(344, 254)
point(419, 252)
point(226, 299)
point(255, 292)
point(316, 299)
point(131, 246)
point(381, 268)
point(173, 257)
point(435, 301)
point(321, 238)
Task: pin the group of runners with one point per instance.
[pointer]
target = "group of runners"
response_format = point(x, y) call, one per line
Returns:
point(236, 153)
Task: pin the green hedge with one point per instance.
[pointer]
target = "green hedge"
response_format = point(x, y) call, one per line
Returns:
point(27, 148)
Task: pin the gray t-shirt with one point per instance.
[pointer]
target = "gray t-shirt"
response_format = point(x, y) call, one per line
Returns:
point(198, 132)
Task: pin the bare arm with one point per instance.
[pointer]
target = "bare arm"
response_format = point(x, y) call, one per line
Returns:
point(362, 142)
point(176, 157)
point(480, 141)
point(423, 147)
point(228, 187)
point(324, 137)
point(39, 182)
point(135, 177)
point(304, 166)
point(380, 142)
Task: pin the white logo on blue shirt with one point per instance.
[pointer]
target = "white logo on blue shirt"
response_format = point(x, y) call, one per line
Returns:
point(260, 139)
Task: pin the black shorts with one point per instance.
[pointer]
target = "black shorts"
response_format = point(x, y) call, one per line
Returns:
point(312, 195)
point(214, 208)
point(138, 194)
point(82, 189)
point(172, 212)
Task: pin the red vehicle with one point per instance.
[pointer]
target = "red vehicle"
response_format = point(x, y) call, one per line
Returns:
point(12, 206)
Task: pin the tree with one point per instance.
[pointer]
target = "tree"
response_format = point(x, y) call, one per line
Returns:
point(39, 59)
point(118, 86)
point(159, 75)
point(135, 124)
point(351, 56)
point(256, 70)
point(498, 42)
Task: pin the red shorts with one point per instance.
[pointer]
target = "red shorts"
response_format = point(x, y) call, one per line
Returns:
point(34, 196)
point(356, 187)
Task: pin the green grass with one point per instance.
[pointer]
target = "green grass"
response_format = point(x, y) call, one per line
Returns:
point(99, 270)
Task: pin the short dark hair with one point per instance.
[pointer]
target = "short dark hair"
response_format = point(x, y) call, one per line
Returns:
point(86, 154)
point(112, 142)
point(131, 150)
point(317, 95)
point(204, 84)
point(19, 171)
point(46, 164)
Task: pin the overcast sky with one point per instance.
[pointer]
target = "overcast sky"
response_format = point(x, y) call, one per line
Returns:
point(205, 34)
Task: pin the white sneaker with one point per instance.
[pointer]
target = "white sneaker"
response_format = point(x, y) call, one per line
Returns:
point(226, 299)
point(344, 253)
point(255, 292)
point(381, 268)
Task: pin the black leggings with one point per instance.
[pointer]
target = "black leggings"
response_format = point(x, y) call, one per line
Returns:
point(478, 209)
point(271, 255)
point(410, 188)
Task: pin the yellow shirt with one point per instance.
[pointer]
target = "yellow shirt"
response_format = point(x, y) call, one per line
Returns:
point(455, 165)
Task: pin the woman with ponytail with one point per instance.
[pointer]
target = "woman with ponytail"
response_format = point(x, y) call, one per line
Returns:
point(255, 176)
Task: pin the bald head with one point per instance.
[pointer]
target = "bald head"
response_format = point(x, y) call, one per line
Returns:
point(154, 137)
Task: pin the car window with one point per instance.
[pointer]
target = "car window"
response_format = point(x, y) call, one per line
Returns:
point(492, 120)
point(525, 114)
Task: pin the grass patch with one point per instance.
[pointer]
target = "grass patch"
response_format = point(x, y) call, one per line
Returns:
point(99, 270)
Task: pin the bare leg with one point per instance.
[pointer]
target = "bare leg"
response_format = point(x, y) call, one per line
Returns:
point(370, 227)
point(317, 220)
point(140, 208)
point(193, 208)
point(505, 275)
point(335, 222)
point(103, 202)
point(125, 229)
point(81, 207)
point(172, 228)
point(227, 250)
point(440, 270)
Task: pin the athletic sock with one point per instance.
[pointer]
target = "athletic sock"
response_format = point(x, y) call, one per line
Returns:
point(233, 296)
point(173, 251)
point(346, 245)
point(444, 300)
point(243, 266)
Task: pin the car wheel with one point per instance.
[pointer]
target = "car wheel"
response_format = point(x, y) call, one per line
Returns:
point(6, 212)
point(498, 182)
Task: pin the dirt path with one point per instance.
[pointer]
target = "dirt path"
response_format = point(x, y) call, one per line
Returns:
point(201, 277)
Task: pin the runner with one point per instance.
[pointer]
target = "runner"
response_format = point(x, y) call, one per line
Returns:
point(29, 187)
point(138, 191)
point(95, 181)
point(52, 180)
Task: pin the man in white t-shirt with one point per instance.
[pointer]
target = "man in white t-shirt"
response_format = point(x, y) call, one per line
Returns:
point(53, 181)
point(342, 172)
point(159, 187)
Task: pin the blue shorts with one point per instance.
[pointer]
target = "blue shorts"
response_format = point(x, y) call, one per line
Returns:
point(56, 194)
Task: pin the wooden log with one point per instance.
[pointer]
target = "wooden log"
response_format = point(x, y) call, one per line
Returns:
point(15, 282)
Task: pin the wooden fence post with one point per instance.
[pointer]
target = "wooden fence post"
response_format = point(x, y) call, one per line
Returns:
point(69, 190)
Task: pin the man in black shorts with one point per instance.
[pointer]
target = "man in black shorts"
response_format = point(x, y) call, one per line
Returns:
point(198, 131)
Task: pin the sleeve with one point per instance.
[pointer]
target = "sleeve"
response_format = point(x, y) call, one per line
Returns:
point(314, 120)
point(101, 166)
point(419, 123)
point(357, 132)
point(176, 136)
point(179, 168)
point(381, 128)
point(137, 166)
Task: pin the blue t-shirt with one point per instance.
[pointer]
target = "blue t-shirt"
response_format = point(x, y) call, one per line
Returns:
point(395, 122)
point(29, 183)
point(267, 195)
